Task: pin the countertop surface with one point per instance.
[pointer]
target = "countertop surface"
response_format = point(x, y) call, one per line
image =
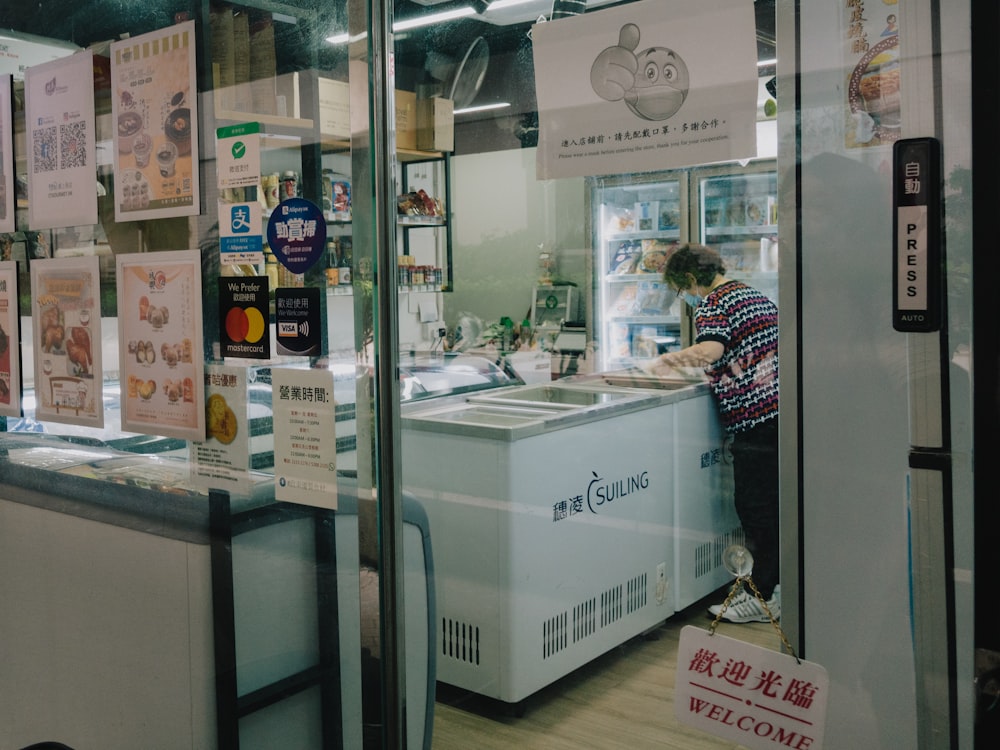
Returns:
point(519, 412)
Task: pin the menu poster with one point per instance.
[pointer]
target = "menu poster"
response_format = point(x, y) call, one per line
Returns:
point(154, 106)
point(6, 157)
point(59, 117)
point(10, 345)
point(646, 86)
point(305, 440)
point(871, 43)
point(160, 343)
point(222, 459)
point(66, 326)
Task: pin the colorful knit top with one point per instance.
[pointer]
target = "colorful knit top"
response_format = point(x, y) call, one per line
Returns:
point(745, 378)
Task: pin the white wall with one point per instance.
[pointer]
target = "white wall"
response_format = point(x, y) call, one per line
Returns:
point(501, 215)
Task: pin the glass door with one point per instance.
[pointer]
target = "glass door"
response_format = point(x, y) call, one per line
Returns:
point(737, 214)
point(636, 222)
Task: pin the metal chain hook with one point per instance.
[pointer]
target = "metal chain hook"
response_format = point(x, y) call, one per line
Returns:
point(740, 580)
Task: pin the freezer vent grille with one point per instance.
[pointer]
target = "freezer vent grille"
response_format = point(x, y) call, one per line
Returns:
point(460, 640)
point(554, 635)
point(584, 619)
point(611, 605)
point(708, 557)
point(636, 588)
point(705, 557)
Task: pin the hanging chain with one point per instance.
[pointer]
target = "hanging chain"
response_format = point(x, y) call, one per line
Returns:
point(737, 584)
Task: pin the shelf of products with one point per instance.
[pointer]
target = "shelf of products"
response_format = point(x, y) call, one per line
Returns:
point(426, 238)
point(636, 223)
point(738, 216)
point(637, 219)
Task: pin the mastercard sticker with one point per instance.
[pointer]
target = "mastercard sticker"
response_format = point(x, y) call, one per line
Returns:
point(244, 318)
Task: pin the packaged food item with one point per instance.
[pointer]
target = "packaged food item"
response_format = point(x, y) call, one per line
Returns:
point(620, 220)
point(652, 297)
point(625, 303)
point(289, 185)
point(647, 215)
point(626, 257)
point(654, 256)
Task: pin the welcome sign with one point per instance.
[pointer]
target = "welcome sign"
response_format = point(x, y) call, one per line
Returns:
point(753, 696)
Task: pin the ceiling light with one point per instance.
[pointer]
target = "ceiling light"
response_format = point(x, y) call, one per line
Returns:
point(447, 15)
point(501, 4)
point(415, 22)
point(481, 108)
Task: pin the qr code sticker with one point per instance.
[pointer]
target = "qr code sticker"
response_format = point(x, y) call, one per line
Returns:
point(73, 144)
point(45, 155)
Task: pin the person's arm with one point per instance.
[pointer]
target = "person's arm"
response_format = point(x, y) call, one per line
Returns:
point(696, 355)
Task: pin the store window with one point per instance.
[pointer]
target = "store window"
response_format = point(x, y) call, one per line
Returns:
point(214, 352)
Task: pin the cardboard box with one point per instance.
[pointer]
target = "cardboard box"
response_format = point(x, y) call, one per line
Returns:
point(406, 120)
point(335, 113)
point(334, 108)
point(435, 124)
point(287, 96)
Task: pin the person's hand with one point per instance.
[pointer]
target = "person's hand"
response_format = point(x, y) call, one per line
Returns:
point(657, 366)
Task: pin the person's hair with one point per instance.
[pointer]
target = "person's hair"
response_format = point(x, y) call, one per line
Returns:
point(700, 261)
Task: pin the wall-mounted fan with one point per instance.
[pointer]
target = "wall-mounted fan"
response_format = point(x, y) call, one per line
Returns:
point(461, 80)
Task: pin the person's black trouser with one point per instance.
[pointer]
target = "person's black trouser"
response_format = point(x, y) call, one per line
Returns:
point(755, 481)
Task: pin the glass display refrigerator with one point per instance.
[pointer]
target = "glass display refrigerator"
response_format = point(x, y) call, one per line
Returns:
point(635, 220)
point(736, 212)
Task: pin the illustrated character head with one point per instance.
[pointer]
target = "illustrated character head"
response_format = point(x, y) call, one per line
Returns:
point(661, 84)
point(653, 83)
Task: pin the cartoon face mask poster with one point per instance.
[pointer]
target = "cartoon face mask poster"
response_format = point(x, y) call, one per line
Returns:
point(642, 87)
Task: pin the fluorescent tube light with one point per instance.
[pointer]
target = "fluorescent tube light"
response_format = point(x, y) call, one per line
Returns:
point(415, 23)
point(481, 108)
point(447, 15)
point(501, 4)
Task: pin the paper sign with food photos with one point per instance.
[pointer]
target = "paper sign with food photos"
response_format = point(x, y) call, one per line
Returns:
point(161, 359)
point(871, 42)
point(646, 86)
point(10, 345)
point(66, 331)
point(222, 460)
point(154, 110)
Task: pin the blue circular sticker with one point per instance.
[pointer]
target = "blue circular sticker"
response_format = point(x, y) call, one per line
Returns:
point(296, 233)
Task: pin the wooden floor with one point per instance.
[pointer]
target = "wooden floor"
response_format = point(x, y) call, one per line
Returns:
point(623, 699)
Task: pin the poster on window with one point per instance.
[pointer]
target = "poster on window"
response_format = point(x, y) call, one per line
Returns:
point(871, 40)
point(154, 109)
point(222, 459)
point(646, 86)
point(6, 157)
point(160, 343)
point(10, 345)
point(59, 126)
point(66, 326)
point(305, 437)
